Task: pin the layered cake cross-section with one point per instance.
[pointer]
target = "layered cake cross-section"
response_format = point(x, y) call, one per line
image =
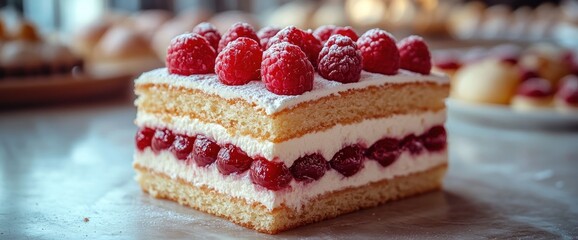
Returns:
point(297, 146)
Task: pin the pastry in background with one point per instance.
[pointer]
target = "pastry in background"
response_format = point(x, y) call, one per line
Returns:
point(149, 21)
point(296, 13)
point(534, 93)
point(566, 98)
point(87, 37)
point(547, 60)
point(488, 81)
point(24, 53)
point(329, 13)
point(122, 50)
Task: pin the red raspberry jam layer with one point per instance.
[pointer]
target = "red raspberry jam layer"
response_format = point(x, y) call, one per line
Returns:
point(274, 175)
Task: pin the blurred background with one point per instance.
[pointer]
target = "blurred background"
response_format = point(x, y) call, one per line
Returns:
point(62, 39)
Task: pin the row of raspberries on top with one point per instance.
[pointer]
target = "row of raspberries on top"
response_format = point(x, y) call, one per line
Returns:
point(286, 59)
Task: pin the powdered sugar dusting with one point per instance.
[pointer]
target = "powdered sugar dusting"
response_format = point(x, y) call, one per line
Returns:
point(255, 92)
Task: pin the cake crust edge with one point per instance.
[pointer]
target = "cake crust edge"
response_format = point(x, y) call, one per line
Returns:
point(256, 216)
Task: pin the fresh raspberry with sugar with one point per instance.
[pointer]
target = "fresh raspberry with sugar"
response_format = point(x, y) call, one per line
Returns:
point(190, 54)
point(308, 43)
point(340, 60)
point(271, 175)
point(414, 55)
point(209, 32)
point(346, 31)
point(265, 34)
point(285, 70)
point(379, 52)
point(323, 33)
point(239, 62)
point(236, 31)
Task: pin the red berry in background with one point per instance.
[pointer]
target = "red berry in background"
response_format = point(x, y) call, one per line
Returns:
point(340, 60)
point(535, 87)
point(412, 143)
point(239, 62)
point(232, 159)
point(384, 151)
point(526, 74)
point(205, 151)
point(143, 138)
point(265, 34)
point(379, 52)
point(308, 43)
point(568, 90)
point(346, 31)
point(414, 55)
point(309, 168)
point(182, 146)
point(435, 139)
point(162, 139)
point(236, 31)
point(323, 33)
point(190, 54)
point(285, 70)
point(271, 175)
point(348, 161)
point(209, 32)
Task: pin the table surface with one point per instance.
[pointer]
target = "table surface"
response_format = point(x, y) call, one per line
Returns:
point(65, 173)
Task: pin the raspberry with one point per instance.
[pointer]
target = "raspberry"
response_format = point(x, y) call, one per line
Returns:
point(271, 175)
point(190, 54)
point(209, 32)
point(286, 70)
point(232, 159)
point(526, 74)
point(379, 52)
point(239, 62)
point(182, 146)
point(535, 87)
point(340, 60)
point(205, 151)
point(348, 161)
point(414, 55)
point(412, 144)
point(346, 31)
point(144, 137)
point(435, 138)
point(384, 151)
point(308, 43)
point(324, 32)
point(236, 31)
point(309, 168)
point(265, 34)
point(162, 140)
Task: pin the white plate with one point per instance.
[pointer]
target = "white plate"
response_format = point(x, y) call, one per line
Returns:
point(505, 116)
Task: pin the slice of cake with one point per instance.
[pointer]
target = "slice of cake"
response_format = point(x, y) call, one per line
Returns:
point(302, 144)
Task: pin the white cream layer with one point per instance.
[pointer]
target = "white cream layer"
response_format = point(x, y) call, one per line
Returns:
point(327, 142)
point(255, 91)
point(297, 193)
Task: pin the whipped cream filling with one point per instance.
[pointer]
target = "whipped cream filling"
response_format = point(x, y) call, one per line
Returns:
point(326, 143)
point(298, 193)
point(256, 93)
